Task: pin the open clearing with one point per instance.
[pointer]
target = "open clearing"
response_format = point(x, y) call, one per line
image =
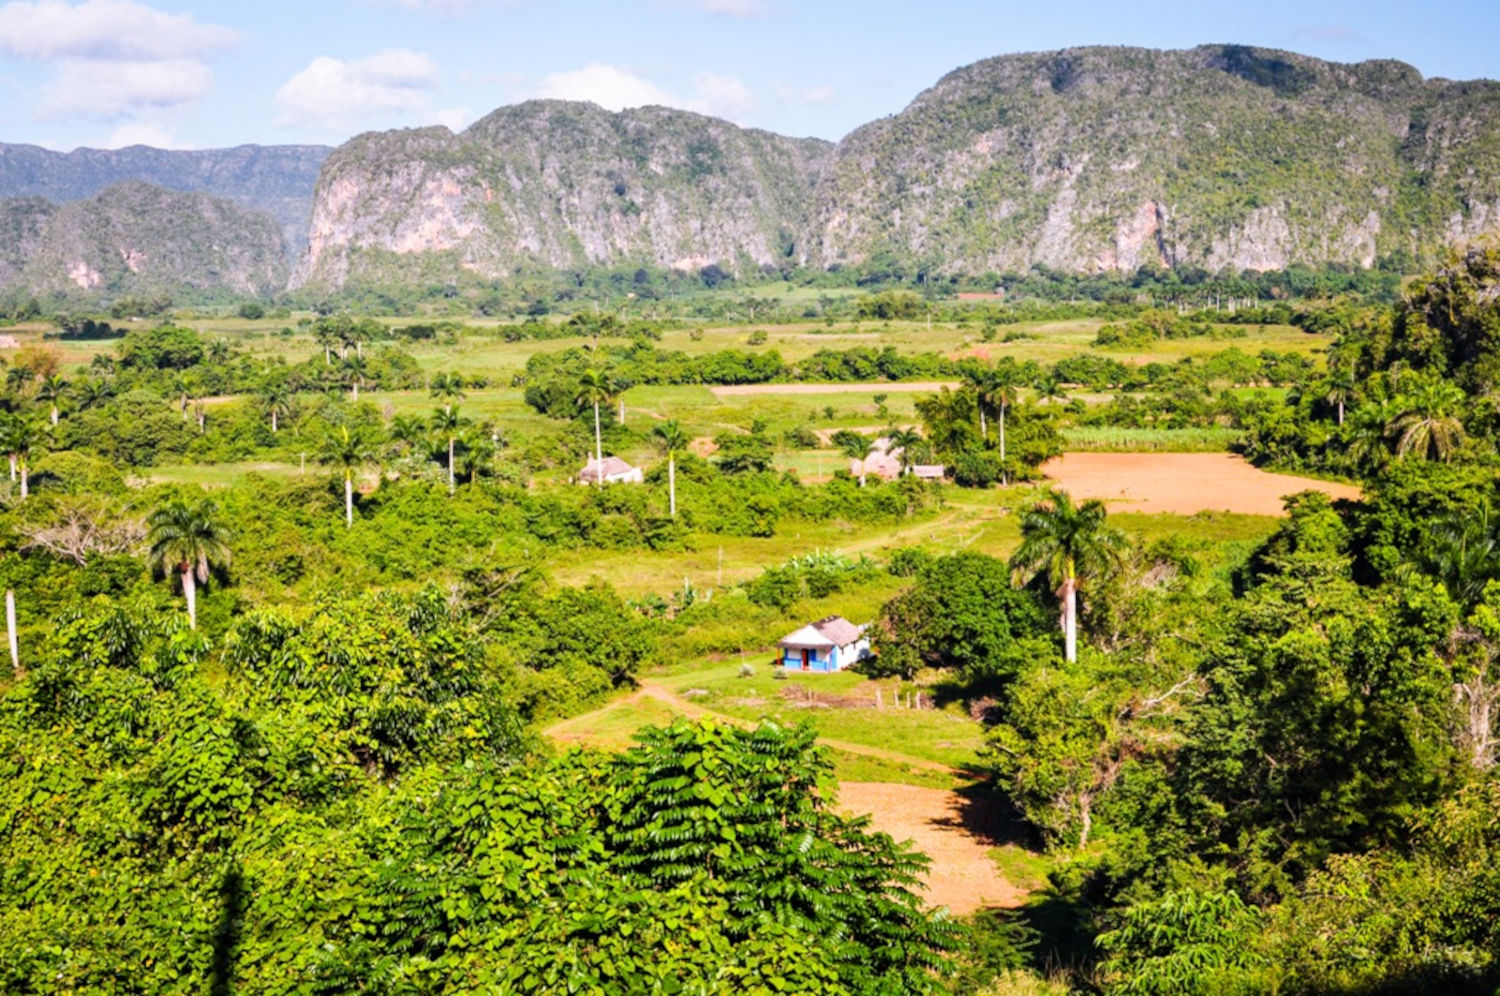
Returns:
point(953, 831)
point(874, 387)
point(1181, 483)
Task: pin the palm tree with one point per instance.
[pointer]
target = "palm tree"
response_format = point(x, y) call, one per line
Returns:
point(1462, 551)
point(20, 439)
point(475, 450)
point(449, 387)
point(51, 390)
point(275, 399)
point(89, 392)
point(1340, 388)
point(355, 370)
point(1006, 392)
point(8, 432)
point(1050, 389)
point(856, 447)
point(1071, 544)
point(983, 381)
point(1430, 427)
point(189, 540)
point(349, 449)
point(449, 423)
point(906, 440)
point(597, 387)
point(218, 351)
point(671, 439)
point(407, 430)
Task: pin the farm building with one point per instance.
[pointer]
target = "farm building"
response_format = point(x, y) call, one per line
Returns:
point(830, 644)
point(613, 471)
point(884, 462)
point(929, 471)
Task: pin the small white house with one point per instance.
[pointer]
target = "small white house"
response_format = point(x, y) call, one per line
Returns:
point(830, 644)
point(612, 470)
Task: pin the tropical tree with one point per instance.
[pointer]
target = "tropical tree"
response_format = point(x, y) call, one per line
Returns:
point(355, 370)
point(189, 540)
point(407, 430)
point(50, 390)
point(856, 447)
point(275, 399)
point(671, 440)
point(1050, 389)
point(475, 452)
point(449, 423)
point(1071, 544)
point(983, 382)
point(348, 449)
point(1430, 427)
point(1339, 390)
point(907, 440)
point(89, 392)
point(20, 439)
point(8, 431)
point(1006, 392)
point(449, 387)
point(597, 386)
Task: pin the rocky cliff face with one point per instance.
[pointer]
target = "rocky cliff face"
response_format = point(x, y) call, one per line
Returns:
point(556, 184)
point(1110, 159)
point(277, 179)
point(136, 238)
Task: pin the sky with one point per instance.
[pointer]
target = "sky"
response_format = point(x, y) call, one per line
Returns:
point(108, 73)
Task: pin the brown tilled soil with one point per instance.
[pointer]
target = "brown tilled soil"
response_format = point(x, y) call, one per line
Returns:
point(881, 387)
point(1184, 483)
point(956, 832)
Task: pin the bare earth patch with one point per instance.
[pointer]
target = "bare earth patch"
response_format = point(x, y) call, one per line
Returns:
point(954, 832)
point(1182, 483)
point(884, 386)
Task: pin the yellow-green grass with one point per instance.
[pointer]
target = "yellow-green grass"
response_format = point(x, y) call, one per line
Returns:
point(613, 727)
point(1117, 439)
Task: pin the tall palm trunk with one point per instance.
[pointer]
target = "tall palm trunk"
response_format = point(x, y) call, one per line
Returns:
point(25, 485)
point(54, 416)
point(190, 589)
point(1069, 595)
point(451, 485)
point(10, 631)
point(348, 499)
point(984, 433)
point(1002, 432)
point(273, 421)
point(862, 472)
point(1341, 413)
point(672, 482)
point(356, 390)
point(598, 449)
point(13, 468)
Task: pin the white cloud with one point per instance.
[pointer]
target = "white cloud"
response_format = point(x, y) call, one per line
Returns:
point(722, 96)
point(444, 8)
point(611, 87)
point(106, 89)
point(330, 91)
point(615, 88)
point(106, 30)
point(112, 58)
point(141, 133)
point(453, 118)
point(817, 96)
point(729, 8)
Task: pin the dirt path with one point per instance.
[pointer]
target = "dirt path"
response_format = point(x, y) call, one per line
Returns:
point(954, 832)
point(878, 387)
point(957, 833)
point(1183, 483)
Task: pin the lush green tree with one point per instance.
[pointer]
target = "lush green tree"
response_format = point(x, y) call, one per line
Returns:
point(449, 424)
point(50, 391)
point(597, 386)
point(347, 449)
point(1430, 426)
point(449, 387)
point(856, 447)
point(671, 439)
point(1072, 545)
point(908, 440)
point(188, 540)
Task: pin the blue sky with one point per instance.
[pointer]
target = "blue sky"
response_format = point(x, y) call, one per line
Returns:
point(105, 73)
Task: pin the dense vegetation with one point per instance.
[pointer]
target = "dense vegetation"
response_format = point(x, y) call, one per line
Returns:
point(288, 735)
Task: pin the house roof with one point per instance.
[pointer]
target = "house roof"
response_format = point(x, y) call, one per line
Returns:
point(929, 471)
point(832, 631)
point(612, 465)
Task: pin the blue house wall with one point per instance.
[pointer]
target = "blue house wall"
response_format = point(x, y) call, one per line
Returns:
point(822, 661)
